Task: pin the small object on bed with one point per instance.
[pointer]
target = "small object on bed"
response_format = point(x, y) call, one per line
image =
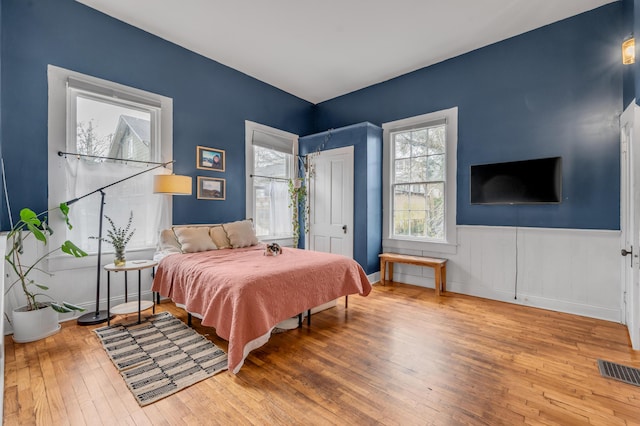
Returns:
point(272, 249)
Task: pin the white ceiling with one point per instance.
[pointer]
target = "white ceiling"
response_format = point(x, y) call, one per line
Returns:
point(321, 49)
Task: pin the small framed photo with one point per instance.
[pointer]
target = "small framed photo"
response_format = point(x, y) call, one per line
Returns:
point(210, 159)
point(211, 188)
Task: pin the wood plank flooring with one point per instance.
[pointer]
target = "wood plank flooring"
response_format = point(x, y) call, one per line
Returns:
point(398, 357)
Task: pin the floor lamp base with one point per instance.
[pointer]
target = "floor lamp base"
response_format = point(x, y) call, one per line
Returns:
point(93, 318)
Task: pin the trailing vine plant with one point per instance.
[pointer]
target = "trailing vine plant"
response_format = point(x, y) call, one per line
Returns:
point(297, 203)
point(298, 190)
point(307, 161)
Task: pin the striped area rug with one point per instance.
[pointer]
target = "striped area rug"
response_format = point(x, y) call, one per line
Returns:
point(160, 356)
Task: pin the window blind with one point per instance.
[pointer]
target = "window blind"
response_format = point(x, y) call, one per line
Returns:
point(270, 141)
point(93, 88)
point(423, 125)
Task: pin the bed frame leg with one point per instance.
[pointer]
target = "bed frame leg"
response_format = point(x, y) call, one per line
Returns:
point(346, 301)
point(309, 318)
point(189, 319)
point(300, 320)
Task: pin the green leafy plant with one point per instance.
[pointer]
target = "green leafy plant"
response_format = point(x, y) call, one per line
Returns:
point(297, 202)
point(36, 225)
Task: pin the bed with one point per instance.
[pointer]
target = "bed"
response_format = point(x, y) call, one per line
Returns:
point(244, 294)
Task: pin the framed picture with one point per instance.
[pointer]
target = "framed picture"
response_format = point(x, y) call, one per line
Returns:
point(210, 159)
point(211, 188)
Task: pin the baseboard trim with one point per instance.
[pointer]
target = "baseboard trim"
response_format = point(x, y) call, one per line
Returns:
point(522, 299)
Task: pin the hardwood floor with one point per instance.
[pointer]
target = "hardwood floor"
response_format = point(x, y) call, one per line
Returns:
point(399, 357)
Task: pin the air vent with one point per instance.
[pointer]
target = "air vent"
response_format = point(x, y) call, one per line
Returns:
point(619, 372)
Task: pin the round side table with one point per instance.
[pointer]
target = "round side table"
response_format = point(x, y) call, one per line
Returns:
point(129, 307)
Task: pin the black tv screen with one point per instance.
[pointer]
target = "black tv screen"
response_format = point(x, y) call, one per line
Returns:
point(517, 182)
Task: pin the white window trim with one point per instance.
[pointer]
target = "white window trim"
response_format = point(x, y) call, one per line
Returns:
point(249, 127)
point(57, 134)
point(449, 244)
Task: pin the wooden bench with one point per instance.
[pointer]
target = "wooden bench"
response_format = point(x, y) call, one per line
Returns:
point(438, 265)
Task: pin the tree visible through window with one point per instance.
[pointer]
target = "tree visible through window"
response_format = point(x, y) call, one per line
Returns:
point(418, 176)
point(106, 129)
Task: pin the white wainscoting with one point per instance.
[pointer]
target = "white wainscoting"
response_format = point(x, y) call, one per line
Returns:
point(567, 270)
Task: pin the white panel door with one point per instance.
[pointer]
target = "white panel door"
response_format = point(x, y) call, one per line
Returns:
point(331, 202)
point(630, 222)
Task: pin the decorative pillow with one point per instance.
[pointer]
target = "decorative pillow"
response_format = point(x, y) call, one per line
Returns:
point(219, 237)
point(241, 233)
point(168, 242)
point(193, 239)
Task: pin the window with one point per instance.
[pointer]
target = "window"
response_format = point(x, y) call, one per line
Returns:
point(271, 155)
point(419, 181)
point(98, 118)
point(420, 178)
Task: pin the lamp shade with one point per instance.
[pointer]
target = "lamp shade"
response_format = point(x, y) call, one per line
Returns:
point(172, 184)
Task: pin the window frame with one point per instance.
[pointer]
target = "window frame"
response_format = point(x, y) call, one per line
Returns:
point(59, 119)
point(250, 127)
point(449, 243)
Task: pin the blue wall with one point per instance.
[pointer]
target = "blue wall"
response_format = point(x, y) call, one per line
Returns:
point(210, 101)
point(557, 90)
point(554, 91)
point(2, 206)
point(367, 183)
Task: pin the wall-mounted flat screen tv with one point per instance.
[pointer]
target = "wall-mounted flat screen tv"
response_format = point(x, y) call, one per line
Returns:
point(517, 182)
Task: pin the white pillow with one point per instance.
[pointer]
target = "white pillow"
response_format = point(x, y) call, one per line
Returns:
point(193, 239)
point(168, 242)
point(241, 233)
point(219, 237)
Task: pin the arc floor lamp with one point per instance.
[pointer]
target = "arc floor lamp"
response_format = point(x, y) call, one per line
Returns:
point(162, 184)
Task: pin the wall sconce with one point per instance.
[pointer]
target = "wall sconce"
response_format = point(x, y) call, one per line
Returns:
point(629, 51)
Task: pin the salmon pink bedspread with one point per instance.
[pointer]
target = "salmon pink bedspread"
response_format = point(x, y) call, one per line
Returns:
point(244, 294)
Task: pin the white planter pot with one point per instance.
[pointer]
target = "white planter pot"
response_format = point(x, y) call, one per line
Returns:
point(29, 326)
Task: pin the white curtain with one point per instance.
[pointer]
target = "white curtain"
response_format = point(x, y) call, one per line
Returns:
point(150, 211)
point(280, 212)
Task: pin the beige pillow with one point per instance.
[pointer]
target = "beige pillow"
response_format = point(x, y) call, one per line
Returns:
point(241, 233)
point(168, 242)
point(193, 239)
point(219, 237)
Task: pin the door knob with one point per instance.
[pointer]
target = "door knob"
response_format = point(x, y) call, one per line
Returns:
point(624, 252)
point(344, 228)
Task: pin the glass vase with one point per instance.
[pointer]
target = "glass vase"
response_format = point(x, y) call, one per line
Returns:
point(119, 259)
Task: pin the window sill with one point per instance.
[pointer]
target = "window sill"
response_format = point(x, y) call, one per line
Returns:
point(282, 242)
point(427, 246)
point(66, 262)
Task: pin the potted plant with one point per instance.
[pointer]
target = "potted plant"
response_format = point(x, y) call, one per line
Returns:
point(37, 319)
point(118, 238)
